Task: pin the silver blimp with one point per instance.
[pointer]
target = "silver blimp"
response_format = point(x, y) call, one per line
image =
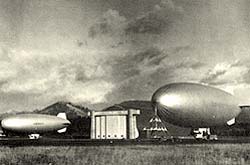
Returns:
point(35, 123)
point(195, 105)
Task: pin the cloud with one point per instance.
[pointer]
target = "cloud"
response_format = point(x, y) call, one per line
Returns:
point(181, 49)
point(215, 73)
point(156, 21)
point(138, 87)
point(247, 76)
point(129, 65)
point(53, 76)
point(150, 56)
point(190, 64)
point(111, 23)
point(225, 73)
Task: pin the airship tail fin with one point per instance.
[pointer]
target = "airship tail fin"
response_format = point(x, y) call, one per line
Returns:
point(62, 130)
point(62, 115)
point(231, 122)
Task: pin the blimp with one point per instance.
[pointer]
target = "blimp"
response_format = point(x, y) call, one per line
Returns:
point(195, 106)
point(35, 124)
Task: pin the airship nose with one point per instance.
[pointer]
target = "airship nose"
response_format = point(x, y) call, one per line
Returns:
point(156, 98)
point(169, 100)
point(166, 99)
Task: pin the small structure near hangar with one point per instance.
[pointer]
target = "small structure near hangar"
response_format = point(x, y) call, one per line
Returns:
point(119, 124)
point(156, 129)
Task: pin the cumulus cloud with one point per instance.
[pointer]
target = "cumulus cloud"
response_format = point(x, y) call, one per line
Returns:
point(129, 65)
point(246, 75)
point(181, 49)
point(190, 64)
point(111, 23)
point(225, 73)
point(156, 21)
point(50, 76)
point(215, 73)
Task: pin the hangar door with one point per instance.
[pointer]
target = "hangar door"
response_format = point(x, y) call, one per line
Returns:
point(111, 127)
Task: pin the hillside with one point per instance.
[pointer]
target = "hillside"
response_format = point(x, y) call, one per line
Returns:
point(72, 111)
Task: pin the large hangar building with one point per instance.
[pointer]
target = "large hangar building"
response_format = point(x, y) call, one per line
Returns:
point(115, 124)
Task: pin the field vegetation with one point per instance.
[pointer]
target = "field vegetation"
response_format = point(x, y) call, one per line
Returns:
point(230, 154)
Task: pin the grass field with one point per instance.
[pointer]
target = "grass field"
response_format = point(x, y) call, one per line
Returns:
point(231, 154)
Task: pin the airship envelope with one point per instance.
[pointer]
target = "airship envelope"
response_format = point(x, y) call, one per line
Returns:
point(195, 105)
point(34, 123)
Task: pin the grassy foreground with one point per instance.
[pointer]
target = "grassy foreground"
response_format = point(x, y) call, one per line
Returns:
point(132, 155)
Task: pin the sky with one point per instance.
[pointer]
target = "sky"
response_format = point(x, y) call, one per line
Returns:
point(102, 52)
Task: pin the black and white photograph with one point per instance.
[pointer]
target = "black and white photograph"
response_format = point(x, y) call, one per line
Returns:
point(124, 82)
